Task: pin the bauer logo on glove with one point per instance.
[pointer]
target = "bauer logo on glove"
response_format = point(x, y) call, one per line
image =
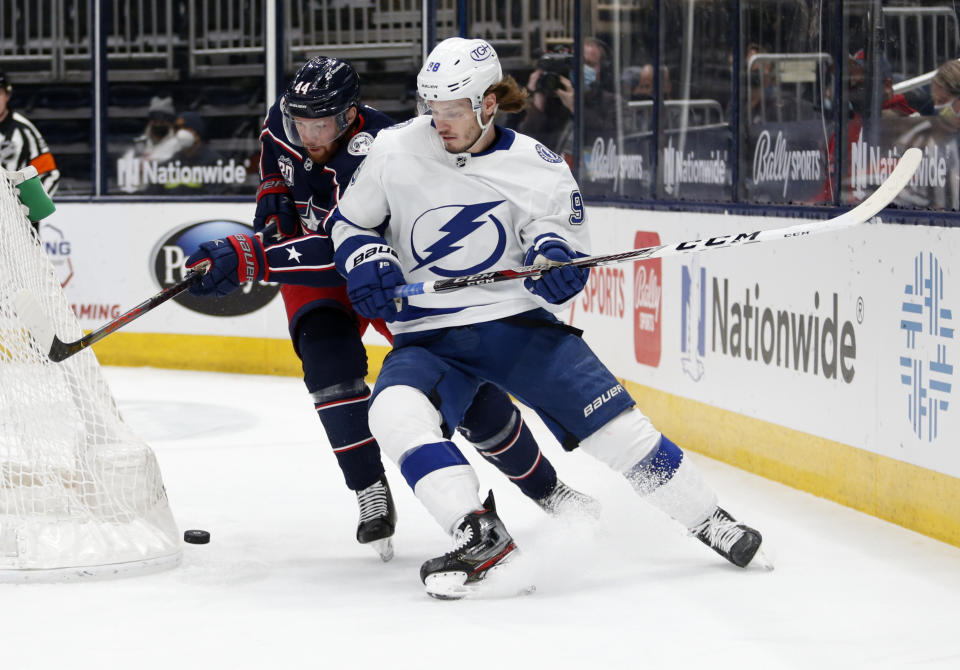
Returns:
point(233, 261)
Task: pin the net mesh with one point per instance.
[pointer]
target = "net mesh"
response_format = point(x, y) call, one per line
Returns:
point(78, 489)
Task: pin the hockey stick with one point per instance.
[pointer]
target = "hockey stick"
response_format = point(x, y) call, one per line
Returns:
point(39, 326)
point(41, 329)
point(862, 213)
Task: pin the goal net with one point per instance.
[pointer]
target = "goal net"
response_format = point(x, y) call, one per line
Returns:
point(80, 494)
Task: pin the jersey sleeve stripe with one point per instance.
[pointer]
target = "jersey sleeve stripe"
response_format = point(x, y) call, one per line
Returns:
point(266, 133)
point(44, 163)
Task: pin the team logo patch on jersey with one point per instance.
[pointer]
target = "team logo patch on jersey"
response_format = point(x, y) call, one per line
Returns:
point(439, 239)
point(308, 164)
point(286, 169)
point(547, 155)
point(360, 144)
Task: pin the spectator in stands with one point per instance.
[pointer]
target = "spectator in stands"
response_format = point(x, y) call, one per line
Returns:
point(190, 131)
point(638, 82)
point(945, 89)
point(157, 144)
point(892, 104)
point(158, 141)
point(549, 112)
point(21, 144)
point(550, 105)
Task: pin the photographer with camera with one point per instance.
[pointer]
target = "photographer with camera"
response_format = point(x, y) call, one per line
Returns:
point(549, 112)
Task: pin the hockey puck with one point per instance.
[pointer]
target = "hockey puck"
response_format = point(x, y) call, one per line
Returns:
point(196, 536)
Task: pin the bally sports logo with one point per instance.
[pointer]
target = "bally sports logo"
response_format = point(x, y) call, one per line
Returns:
point(169, 260)
point(647, 290)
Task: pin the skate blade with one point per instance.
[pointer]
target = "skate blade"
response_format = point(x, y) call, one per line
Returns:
point(761, 561)
point(384, 548)
point(497, 583)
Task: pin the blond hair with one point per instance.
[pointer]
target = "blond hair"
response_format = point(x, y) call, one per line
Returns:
point(948, 77)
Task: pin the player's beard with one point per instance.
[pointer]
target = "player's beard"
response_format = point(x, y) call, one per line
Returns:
point(324, 153)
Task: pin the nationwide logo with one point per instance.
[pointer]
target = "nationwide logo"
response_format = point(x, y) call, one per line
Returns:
point(871, 165)
point(692, 169)
point(812, 341)
point(647, 291)
point(58, 250)
point(134, 173)
point(169, 259)
point(927, 322)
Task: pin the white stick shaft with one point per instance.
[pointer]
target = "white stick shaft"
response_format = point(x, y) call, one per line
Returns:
point(862, 213)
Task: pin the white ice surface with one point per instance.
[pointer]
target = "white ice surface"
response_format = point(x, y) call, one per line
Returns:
point(283, 584)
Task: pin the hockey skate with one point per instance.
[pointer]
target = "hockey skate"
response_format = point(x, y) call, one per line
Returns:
point(483, 546)
point(564, 501)
point(736, 542)
point(378, 518)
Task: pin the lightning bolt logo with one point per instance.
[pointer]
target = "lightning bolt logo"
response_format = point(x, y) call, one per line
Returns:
point(467, 220)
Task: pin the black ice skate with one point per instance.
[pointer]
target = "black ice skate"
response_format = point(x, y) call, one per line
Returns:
point(736, 542)
point(564, 501)
point(483, 546)
point(378, 518)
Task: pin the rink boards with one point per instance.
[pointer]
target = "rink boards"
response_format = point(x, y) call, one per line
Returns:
point(825, 363)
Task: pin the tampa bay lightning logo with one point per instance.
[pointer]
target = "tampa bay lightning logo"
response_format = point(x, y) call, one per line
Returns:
point(441, 234)
point(547, 155)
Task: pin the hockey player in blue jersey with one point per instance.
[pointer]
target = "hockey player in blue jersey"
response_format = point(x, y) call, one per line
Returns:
point(312, 142)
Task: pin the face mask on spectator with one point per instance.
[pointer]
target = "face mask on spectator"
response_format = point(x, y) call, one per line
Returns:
point(946, 109)
point(589, 75)
point(185, 138)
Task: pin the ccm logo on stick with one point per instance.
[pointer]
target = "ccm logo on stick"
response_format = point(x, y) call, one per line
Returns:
point(602, 398)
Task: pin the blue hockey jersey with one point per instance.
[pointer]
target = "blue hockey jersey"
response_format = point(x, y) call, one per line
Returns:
point(307, 260)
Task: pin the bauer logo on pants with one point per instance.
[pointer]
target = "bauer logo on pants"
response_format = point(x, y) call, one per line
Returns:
point(169, 258)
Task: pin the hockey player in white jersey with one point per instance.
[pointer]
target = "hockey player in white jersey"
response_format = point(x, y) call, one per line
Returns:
point(460, 196)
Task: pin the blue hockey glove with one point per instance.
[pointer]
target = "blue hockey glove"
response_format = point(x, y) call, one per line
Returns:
point(233, 260)
point(558, 284)
point(372, 272)
point(274, 204)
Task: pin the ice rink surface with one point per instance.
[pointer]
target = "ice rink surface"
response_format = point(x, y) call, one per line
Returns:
point(283, 583)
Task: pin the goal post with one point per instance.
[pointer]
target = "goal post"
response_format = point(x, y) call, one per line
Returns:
point(81, 495)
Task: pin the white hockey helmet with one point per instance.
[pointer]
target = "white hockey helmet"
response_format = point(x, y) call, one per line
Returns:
point(459, 68)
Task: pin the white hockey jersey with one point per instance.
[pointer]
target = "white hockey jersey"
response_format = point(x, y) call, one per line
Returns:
point(459, 214)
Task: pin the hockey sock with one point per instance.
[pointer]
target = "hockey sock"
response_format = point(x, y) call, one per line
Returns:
point(654, 466)
point(495, 428)
point(334, 365)
point(407, 427)
point(343, 411)
point(672, 483)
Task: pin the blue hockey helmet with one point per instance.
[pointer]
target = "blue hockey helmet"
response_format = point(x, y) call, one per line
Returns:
point(322, 87)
